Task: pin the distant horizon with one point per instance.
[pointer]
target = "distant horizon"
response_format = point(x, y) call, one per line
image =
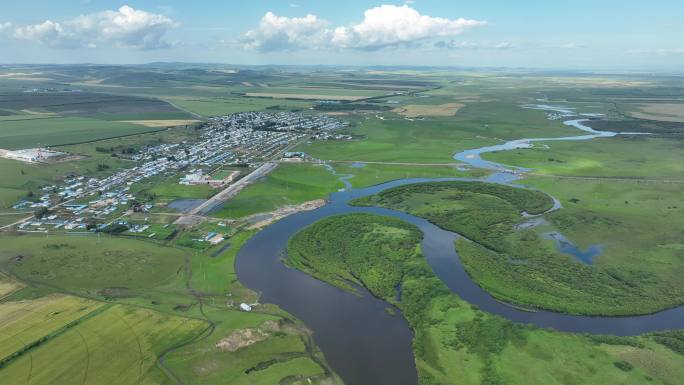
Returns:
point(589, 71)
point(582, 35)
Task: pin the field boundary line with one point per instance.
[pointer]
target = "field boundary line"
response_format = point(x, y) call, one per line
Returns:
point(50, 336)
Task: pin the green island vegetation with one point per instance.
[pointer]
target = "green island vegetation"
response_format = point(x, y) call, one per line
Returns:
point(518, 266)
point(454, 342)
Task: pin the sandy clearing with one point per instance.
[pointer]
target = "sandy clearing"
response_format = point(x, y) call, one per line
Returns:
point(161, 123)
point(416, 110)
point(304, 96)
point(282, 213)
point(664, 112)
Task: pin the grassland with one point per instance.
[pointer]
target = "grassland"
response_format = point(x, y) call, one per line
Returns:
point(435, 140)
point(519, 265)
point(621, 156)
point(455, 342)
point(638, 224)
point(89, 265)
point(369, 174)
point(248, 349)
point(290, 183)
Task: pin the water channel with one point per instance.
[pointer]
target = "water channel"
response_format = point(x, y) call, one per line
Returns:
point(361, 340)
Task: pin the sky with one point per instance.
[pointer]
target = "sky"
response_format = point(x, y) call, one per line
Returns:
point(580, 34)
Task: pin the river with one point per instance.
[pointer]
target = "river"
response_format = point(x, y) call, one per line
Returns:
point(362, 342)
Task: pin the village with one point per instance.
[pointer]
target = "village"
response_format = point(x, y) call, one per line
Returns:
point(243, 140)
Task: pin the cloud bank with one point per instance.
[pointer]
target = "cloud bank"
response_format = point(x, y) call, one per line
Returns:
point(126, 27)
point(381, 27)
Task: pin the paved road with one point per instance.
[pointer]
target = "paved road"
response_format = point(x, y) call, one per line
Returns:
point(231, 190)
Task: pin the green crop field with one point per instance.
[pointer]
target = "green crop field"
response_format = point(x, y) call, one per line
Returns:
point(454, 342)
point(134, 336)
point(60, 131)
point(23, 322)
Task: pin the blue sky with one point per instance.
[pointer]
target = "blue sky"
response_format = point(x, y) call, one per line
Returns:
point(627, 35)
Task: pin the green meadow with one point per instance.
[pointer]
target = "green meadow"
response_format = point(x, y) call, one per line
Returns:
point(289, 184)
point(621, 156)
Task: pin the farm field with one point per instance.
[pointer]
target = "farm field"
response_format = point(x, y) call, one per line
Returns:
point(8, 286)
point(29, 133)
point(23, 322)
point(135, 336)
point(666, 112)
point(454, 342)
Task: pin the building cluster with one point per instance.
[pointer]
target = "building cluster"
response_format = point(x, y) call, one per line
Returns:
point(242, 139)
point(197, 176)
point(31, 155)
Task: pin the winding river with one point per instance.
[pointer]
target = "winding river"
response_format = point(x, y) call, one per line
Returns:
point(361, 340)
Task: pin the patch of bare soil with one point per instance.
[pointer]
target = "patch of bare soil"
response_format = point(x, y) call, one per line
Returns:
point(283, 212)
point(241, 338)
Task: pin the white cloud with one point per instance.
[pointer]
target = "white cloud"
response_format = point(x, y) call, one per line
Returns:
point(125, 27)
point(504, 45)
point(5, 26)
point(388, 25)
point(277, 33)
point(382, 26)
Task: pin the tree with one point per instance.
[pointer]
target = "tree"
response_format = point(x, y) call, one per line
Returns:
point(41, 212)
